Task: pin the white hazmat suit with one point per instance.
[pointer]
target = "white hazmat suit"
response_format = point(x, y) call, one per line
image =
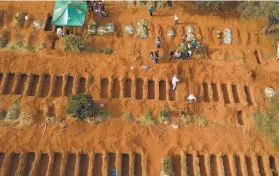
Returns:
point(174, 81)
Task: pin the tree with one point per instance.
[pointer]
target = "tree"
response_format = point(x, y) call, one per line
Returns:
point(215, 5)
point(80, 106)
point(253, 10)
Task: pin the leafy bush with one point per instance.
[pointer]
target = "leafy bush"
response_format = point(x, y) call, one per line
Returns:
point(80, 106)
point(72, 43)
point(213, 5)
point(267, 122)
point(167, 169)
point(182, 48)
point(147, 118)
point(108, 51)
point(13, 111)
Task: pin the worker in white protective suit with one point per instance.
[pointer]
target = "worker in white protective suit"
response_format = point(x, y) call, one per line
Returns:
point(174, 81)
point(191, 98)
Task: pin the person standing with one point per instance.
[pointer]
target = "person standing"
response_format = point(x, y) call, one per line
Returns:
point(151, 9)
point(158, 42)
point(174, 81)
point(176, 19)
point(172, 54)
point(151, 56)
point(157, 56)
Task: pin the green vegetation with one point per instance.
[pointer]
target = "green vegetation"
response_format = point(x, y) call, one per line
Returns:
point(167, 169)
point(128, 116)
point(81, 106)
point(108, 51)
point(267, 122)
point(18, 45)
point(100, 114)
point(72, 43)
point(185, 119)
point(41, 46)
point(203, 52)
point(213, 5)
point(266, 9)
point(13, 111)
point(164, 115)
point(147, 118)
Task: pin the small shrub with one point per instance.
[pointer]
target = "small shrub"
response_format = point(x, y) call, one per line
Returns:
point(164, 115)
point(167, 169)
point(13, 111)
point(147, 118)
point(108, 51)
point(128, 116)
point(182, 48)
point(72, 43)
point(80, 106)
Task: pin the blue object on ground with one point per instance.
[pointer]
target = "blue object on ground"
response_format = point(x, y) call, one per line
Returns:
point(113, 172)
point(145, 67)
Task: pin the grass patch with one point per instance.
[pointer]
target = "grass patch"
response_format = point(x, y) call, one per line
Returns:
point(72, 43)
point(267, 122)
point(41, 46)
point(203, 52)
point(167, 169)
point(128, 116)
point(147, 118)
point(186, 119)
point(13, 111)
point(18, 45)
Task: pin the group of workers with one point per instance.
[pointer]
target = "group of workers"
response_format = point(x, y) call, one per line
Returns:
point(96, 7)
point(191, 98)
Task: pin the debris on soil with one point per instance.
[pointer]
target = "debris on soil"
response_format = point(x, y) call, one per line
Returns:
point(102, 30)
point(108, 51)
point(190, 31)
point(129, 29)
point(37, 24)
point(142, 29)
point(110, 28)
point(227, 36)
point(170, 33)
point(92, 27)
point(269, 92)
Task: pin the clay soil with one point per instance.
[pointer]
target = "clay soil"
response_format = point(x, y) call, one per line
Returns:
point(229, 86)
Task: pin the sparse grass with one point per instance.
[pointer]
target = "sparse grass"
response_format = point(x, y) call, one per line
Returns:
point(13, 111)
point(267, 122)
point(203, 52)
point(167, 169)
point(18, 45)
point(41, 46)
point(202, 121)
point(100, 114)
point(2, 114)
point(128, 116)
point(72, 43)
point(186, 119)
point(239, 59)
point(147, 118)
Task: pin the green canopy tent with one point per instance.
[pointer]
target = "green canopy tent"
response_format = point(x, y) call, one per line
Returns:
point(69, 13)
